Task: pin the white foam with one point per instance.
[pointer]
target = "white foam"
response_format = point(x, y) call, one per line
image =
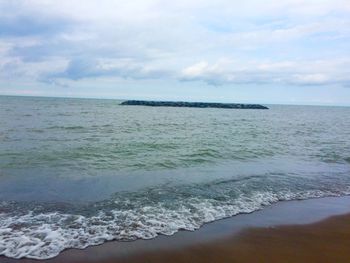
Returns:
point(45, 235)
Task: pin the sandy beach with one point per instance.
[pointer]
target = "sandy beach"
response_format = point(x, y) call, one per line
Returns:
point(325, 241)
point(316, 230)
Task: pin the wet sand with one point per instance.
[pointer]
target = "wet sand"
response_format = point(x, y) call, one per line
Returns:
point(327, 241)
point(315, 230)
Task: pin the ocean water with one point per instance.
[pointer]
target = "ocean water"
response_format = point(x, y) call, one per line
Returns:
point(79, 172)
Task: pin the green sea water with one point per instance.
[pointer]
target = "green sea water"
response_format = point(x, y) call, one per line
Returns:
point(79, 172)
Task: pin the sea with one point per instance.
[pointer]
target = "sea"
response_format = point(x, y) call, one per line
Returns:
point(80, 172)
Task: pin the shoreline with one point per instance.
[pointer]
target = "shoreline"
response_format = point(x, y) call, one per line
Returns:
point(279, 221)
point(322, 242)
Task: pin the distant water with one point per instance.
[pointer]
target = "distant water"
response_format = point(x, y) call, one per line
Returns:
point(79, 172)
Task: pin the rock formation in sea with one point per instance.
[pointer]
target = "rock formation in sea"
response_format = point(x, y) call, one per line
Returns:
point(193, 104)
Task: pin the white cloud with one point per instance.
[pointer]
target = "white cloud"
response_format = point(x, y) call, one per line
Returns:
point(290, 42)
point(312, 79)
point(320, 72)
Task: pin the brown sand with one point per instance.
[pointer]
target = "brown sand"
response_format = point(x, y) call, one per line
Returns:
point(327, 242)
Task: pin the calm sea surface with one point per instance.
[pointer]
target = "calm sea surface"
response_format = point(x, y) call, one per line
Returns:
point(79, 172)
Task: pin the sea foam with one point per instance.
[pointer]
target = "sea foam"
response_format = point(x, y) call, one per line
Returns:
point(45, 235)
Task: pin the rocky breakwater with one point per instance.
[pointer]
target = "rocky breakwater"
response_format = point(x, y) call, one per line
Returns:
point(193, 104)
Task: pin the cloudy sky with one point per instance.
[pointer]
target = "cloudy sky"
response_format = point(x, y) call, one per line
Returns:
point(272, 51)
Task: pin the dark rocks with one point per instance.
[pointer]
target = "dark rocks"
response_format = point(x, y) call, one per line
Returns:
point(193, 104)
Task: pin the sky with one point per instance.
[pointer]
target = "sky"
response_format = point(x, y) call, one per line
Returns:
point(271, 51)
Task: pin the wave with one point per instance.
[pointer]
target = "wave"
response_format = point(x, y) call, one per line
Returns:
point(42, 231)
point(74, 127)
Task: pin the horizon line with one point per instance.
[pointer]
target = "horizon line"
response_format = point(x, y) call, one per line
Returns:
point(176, 100)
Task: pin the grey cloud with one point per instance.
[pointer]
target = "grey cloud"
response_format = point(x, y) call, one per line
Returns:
point(80, 68)
point(11, 70)
point(112, 39)
point(32, 25)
